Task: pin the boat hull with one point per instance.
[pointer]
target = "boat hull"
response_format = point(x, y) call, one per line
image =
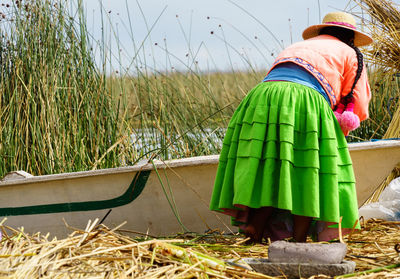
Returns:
point(159, 198)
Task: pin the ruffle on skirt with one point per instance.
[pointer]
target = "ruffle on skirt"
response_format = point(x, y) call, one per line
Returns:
point(284, 148)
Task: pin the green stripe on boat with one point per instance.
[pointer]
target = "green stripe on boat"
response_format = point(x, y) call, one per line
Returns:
point(134, 190)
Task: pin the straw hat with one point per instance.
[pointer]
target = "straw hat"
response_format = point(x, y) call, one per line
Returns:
point(339, 19)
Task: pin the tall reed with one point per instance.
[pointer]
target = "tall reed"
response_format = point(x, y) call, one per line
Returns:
point(384, 16)
point(56, 113)
point(190, 112)
point(61, 111)
point(385, 88)
point(183, 114)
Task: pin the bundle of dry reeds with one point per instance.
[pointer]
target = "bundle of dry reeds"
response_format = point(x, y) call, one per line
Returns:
point(375, 249)
point(100, 252)
point(393, 130)
point(384, 26)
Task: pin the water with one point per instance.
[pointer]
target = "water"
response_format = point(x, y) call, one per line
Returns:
point(194, 143)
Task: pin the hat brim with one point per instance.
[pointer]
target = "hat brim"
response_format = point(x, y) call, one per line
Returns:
point(360, 38)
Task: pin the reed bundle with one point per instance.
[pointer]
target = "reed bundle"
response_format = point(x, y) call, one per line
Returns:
point(384, 27)
point(383, 23)
point(100, 252)
point(393, 130)
point(374, 250)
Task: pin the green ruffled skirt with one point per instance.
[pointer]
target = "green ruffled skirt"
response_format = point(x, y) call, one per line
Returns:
point(284, 148)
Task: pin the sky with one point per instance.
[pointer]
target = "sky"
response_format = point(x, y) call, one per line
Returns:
point(213, 35)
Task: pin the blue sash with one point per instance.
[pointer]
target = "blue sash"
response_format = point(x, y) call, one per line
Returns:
point(292, 72)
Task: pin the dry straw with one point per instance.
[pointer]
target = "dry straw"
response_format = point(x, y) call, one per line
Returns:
point(100, 252)
point(384, 25)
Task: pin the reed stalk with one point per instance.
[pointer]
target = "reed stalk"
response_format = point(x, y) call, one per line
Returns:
point(101, 252)
point(383, 25)
point(56, 114)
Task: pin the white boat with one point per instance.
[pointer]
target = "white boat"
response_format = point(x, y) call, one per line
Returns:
point(158, 198)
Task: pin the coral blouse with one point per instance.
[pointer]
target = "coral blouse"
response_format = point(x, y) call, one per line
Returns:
point(334, 64)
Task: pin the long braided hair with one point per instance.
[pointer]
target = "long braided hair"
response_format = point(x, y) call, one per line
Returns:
point(347, 36)
point(360, 66)
point(344, 109)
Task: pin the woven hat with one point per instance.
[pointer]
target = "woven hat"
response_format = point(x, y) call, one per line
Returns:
point(339, 19)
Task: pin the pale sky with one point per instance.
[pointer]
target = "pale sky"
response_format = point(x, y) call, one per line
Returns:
point(180, 31)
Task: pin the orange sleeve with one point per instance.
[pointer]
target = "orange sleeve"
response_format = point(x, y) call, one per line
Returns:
point(362, 96)
point(361, 92)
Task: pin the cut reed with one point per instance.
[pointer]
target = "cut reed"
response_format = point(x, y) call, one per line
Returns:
point(384, 54)
point(101, 252)
point(383, 25)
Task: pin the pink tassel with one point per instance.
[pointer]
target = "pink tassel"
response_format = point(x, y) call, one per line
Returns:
point(349, 121)
point(338, 112)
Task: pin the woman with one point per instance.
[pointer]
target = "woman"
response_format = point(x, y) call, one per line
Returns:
point(285, 169)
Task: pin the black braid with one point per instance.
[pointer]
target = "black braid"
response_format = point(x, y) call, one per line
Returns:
point(360, 66)
point(347, 36)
